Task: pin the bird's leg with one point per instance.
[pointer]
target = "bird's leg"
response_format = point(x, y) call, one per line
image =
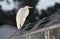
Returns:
point(20, 27)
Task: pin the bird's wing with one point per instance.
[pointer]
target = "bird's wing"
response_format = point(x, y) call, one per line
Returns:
point(21, 17)
point(25, 13)
point(18, 18)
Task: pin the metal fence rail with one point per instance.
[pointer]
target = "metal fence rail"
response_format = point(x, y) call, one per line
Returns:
point(52, 32)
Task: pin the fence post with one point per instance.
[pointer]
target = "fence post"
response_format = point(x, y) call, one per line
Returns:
point(47, 34)
point(29, 36)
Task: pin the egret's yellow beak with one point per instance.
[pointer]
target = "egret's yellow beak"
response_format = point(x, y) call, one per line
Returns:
point(28, 7)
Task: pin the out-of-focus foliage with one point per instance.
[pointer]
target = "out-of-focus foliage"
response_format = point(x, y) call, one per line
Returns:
point(9, 17)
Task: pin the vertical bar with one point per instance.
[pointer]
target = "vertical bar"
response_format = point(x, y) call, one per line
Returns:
point(29, 36)
point(47, 34)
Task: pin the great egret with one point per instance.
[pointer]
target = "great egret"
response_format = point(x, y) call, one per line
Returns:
point(21, 16)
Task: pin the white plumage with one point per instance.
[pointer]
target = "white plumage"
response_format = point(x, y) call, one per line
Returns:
point(21, 16)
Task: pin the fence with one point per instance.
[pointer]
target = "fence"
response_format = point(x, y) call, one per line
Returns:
point(52, 32)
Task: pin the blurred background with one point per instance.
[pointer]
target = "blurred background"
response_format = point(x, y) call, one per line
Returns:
point(42, 8)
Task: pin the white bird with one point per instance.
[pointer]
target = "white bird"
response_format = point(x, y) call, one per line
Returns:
point(21, 16)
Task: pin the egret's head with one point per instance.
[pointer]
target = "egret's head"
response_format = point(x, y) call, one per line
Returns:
point(28, 7)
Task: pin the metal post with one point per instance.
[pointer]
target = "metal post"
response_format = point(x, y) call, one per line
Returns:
point(29, 36)
point(47, 34)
